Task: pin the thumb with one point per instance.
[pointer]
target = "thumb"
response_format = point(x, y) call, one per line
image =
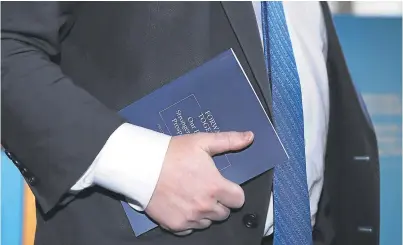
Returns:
point(216, 143)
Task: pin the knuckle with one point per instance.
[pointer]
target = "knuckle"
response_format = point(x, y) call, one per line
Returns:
point(228, 137)
point(192, 214)
point(204, 206)
point(213, 190)
point(220, 136)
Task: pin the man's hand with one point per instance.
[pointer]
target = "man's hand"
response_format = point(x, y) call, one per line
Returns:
point(191, 192)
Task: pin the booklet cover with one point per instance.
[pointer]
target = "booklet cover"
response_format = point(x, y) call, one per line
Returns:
point(214, 97)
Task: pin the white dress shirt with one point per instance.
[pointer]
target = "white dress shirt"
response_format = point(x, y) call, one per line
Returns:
point(130, 162)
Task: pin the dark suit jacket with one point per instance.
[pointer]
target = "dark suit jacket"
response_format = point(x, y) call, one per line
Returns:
point(67, 68)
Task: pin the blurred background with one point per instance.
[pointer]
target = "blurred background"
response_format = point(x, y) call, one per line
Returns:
point(371, 36)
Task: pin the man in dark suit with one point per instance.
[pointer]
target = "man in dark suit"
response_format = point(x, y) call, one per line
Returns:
point(67, 68)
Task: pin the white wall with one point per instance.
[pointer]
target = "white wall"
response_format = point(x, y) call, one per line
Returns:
point(368, 8)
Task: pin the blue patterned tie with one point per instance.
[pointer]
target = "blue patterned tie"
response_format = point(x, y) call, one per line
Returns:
point(292, 223)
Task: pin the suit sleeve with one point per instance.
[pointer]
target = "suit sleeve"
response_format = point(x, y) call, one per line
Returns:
point(52, 129)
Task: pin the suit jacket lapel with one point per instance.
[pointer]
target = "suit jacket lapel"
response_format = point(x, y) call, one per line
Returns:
point(243, 21)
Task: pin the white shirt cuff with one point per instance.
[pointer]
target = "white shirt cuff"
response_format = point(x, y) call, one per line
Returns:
point(129, 163)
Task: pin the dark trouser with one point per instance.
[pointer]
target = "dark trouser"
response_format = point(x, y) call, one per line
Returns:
point(269, 241)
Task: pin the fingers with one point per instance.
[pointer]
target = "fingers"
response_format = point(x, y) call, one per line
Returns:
point(198, 195)
point(202, 224)
point(199, 225)
point(230, 194)
point(216, 143)
point(219, 213)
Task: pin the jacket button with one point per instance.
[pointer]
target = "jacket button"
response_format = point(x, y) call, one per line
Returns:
point(16, 163)
point(9, 155)
point(31, 180)
point(12, 158)
point(24, 171)
point(250, 220)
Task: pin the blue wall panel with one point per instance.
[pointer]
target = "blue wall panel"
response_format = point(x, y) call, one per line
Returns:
point(11, 202)
point(373, 50)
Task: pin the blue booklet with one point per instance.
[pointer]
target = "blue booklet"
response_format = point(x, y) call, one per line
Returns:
point(214, 97)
